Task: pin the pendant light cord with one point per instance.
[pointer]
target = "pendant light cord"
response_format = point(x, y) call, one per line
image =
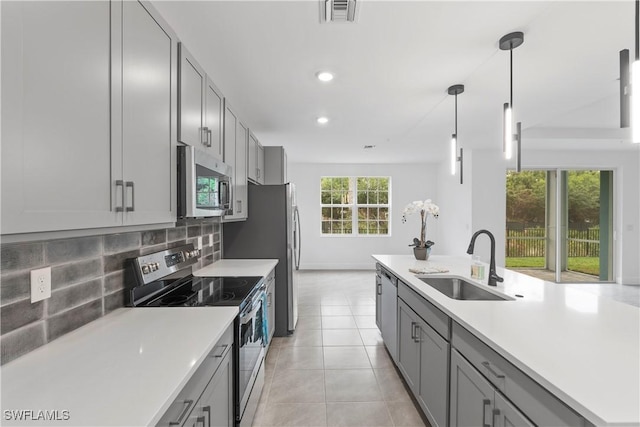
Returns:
point(511, 77)
point(637, 30)
point(456, 118)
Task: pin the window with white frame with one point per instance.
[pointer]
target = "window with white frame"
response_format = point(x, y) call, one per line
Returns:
point(355, 205)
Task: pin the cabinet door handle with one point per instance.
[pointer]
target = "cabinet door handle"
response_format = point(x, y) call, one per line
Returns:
point(224, 349)
point(207, 410)
point(120, 183)
point(417, 338)
point(201, 420)
point(485, 402)
point(493, 372)
point(496, 412)
point(269, 300)
point(129, 184)
point(185, 410)
point(204, 136)
point(413, 331)
point(239, 204)
point(379, 288)
point(210, 141)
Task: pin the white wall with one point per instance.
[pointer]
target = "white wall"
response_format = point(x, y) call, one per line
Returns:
point(485, 198)
point(408, 182)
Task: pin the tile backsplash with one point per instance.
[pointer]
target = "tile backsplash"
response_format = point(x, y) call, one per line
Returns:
point(88, 279)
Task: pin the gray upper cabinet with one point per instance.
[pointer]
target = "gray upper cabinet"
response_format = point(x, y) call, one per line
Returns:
point(200, 107)
point(84, 114)
point(213, 113)
point(191, 100)
point(260, 163)
point(275, 165)
point(252, 158)
point(148, 115)
point(56, 144)
point(235, 154)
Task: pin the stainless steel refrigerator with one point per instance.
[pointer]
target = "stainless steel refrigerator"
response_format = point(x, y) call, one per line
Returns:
point(271, 231)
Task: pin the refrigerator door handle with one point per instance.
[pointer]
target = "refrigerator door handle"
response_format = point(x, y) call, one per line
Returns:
point(296, 238)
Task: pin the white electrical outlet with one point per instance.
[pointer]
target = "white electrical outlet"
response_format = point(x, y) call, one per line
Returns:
point(200, 243)
point(210, 239)
point(40, 284)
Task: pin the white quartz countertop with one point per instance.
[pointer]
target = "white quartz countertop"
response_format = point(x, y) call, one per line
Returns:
point(123, 369)
point(582, 348)
point(238, 267)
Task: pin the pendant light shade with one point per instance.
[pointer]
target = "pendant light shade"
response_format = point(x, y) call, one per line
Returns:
point(510, 42)
point(453, 148)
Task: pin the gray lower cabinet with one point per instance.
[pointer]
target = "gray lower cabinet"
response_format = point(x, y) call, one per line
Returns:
point(423, 359)
point(475, 402)
point(518, 400)
point(471, 395)
point(207, 398)
point(215, 406)
point(83, 119)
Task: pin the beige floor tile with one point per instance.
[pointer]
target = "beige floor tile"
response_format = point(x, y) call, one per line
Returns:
point(346, 358)
point(298, 386)
point(299, 358)
point(369, 414)
point(338, 322)
point(363, 310)
point(294, 414)
point(351, 385)
point(341, 337)
point(392, 387)
point(304, 338)
point(366, 322)
point(309, 322)
point(379, 357)
point(371, 337)
point(258, 417)
point(362, 301)
point(308, 310)
point(405, 414)
point(335, 310)
point(333, 299)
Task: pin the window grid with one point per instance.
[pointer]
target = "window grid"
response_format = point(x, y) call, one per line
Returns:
point(368, 213)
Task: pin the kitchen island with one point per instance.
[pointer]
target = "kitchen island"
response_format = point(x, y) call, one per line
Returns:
point(583, 349)
point(124, 369)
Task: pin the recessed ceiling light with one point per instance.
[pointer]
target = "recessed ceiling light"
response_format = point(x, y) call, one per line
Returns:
point(324, 76)
point(322, 120)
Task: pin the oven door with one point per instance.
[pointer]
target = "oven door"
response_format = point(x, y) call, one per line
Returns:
point(251, 343)
point(204, 184)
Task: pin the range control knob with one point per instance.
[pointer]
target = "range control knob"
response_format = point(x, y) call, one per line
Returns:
point(145, 269)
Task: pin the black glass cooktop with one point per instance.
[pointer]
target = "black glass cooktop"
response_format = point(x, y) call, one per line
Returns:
point(207, 291)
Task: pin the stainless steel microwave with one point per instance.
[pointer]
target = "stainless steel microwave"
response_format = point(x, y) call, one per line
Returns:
point(204, 184)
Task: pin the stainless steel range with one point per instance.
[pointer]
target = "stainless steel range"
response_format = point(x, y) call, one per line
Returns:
point(164, 279)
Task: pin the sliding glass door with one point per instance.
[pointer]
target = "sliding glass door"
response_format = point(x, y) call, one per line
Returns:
point(559, 224)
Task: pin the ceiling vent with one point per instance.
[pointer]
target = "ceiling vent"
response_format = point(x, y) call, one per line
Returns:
point(338, 10)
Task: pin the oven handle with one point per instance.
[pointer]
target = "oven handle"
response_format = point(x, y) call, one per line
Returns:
point(255, 306)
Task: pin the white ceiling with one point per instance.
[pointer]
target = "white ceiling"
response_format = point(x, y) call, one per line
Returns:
point(394, 65)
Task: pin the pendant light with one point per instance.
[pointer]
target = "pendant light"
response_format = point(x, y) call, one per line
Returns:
point(455, 90)
point(635, 84)
point(510, 42)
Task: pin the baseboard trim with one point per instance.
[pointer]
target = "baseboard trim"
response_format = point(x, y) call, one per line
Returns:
point(356, 266)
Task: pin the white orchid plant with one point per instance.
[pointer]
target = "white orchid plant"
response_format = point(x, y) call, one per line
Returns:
point(426, 208)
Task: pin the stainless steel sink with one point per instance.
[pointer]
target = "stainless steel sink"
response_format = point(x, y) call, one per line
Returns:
point(460, 289)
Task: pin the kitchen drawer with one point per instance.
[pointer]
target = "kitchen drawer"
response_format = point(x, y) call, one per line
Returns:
point(531, 398)
point(439, 321)
point(184, 403)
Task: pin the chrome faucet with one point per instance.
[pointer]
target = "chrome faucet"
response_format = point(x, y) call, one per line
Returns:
point(493, 277)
